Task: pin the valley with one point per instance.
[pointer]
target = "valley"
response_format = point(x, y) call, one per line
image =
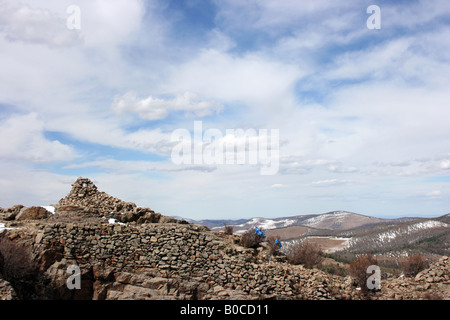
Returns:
point(343, 233)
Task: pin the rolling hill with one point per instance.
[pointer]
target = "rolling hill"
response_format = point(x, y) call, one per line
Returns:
point(335, 220)
point(422, 236)
point(351, 232)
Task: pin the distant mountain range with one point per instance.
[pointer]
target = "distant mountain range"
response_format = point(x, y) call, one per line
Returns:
point(351, 231)
point(335, 220)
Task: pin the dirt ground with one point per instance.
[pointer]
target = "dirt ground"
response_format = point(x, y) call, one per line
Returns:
point(329, 244)
point(288, 233)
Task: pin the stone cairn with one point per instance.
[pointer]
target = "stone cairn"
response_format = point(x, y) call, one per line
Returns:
point(86, 199)
point(85, 194)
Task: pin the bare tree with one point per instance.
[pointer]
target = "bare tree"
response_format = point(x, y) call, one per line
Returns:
point(305, 252)
point(358, 270)
point(414, 264)
point(18, 266)
point(252, 238)
point(274, 244)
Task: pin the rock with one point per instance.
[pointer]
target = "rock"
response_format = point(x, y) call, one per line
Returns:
point(130, 292)
point(166, 219)
point(104, 274)
point(33, 213)
point(148, 216)
point(398, 297)
point(419, 276)
point(156, 283)
point(11, 213)
point(6, 290)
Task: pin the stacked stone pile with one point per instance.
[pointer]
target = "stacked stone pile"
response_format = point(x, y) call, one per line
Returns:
point(431, 283)
point(84, 201)
point(84, 194)
point(84, 198)
point(439, 272)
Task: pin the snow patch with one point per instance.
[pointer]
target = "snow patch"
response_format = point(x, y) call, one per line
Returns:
point(267, 224)
point(337, 216)
point(427, 225)
point(388, 236)
point(3, 228)
point(50, 209)
point(114, 221)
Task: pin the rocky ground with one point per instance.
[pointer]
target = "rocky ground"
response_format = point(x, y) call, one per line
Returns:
point(127, 252)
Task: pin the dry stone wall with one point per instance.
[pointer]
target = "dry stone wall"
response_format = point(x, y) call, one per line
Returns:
point(196, 262)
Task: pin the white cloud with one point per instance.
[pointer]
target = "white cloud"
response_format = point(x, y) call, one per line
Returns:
point(22, 184)
point(35, 25)
point(252, 79)
point(299, 165)
point(378, 62)
point(154, 141)
point(125, 167)
point(272, 15)
point(445, 164)
point(151, 108)
point(411, 16)
point(109, 131)
point(328, 182)
point(341, 169)
point(389, 122)
point(103, 23)
point(434, 193)
point(110, 23)
point(23, 138)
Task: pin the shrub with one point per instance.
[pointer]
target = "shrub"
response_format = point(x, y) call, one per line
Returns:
point(274, 244)
point(18, 267)
point(432, 296)
point(306, 253)
point(228, 230)
point(252, 238)
point(358, 270)
point(413, 265)
point(334, 269)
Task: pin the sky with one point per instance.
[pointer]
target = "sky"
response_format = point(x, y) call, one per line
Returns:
point(350, 106)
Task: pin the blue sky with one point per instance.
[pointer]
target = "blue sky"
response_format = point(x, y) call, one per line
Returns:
point(362, 114)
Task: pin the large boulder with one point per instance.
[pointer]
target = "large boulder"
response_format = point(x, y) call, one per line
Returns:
point(33, 213)
point(11, 213)
point(6, 290)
